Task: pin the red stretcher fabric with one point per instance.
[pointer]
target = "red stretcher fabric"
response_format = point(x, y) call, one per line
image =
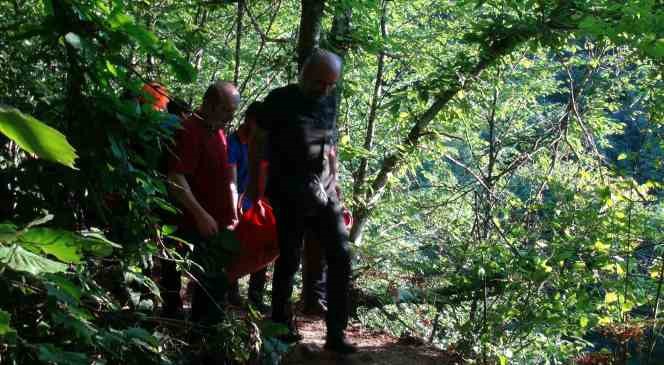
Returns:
point(258, 241)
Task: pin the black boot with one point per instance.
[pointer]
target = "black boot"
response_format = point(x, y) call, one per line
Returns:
point(339, 344)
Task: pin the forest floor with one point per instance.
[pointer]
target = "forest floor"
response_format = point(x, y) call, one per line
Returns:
point(374, 348)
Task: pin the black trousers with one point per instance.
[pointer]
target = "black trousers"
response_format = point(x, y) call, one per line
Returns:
point(211, 287)
point(170, 286)
point(257, 281)
point(314, 272)
point(328, 227)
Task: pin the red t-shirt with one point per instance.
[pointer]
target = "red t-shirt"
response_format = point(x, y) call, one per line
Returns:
point(201, 155)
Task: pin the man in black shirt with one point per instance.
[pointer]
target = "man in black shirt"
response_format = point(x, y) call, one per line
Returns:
point(298, 124)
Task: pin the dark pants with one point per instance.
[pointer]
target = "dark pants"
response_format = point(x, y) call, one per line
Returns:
point(328, 226)
point(257, 282)
point(170, 286)
point(314, 272)
point(211, 285)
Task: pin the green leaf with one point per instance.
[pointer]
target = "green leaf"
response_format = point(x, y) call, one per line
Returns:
point(273, 329)
point(119, 19)
point(63, 289)
point(64, 245)
point(168, 230)
point(657, 50)
point(48, 353)
point(601, 247)
point(143, 37)
point(73, 39)
point(97, 244)
point(111, 68)
point(7, 233)
point(131, 277)
point(36, 137)
point(19, 259)
point(137, 333)
point(5, 328)
point(183, 69)
point(76, 321)
point(610, 297)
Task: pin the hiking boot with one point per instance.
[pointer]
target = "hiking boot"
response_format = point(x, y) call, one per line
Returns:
point(340, 345)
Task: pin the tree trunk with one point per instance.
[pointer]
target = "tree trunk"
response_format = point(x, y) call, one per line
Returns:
point(361, 173)
point(338, 42)
point(309, 36)
point(238, 39)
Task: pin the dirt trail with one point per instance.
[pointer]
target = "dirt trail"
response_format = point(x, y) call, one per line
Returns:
point(374, 348)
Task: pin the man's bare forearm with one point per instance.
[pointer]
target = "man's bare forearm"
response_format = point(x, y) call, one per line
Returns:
point(234, 193)
point(233, 199)
point(180, 189)
point(334, 170)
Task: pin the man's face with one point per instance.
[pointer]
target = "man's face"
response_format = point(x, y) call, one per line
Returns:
point(319, 81)
point(220, 113)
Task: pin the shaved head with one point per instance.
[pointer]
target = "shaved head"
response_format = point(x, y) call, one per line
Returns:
point(220, 101)
point(322, 59)
point(222, 92)
point(320, 73)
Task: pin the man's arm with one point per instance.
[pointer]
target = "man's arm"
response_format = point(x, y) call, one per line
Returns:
point(234, 194)
point(179, 187)
point(334, 168)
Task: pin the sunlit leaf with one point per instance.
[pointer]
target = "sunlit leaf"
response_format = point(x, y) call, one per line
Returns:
point(19, 259)
point(5, 318)
point(36, 137)
point(610, 297)
point(7, 233)
point(73, 39)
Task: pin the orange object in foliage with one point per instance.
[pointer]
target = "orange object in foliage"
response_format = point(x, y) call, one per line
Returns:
point(157, 96)
point(258, 241)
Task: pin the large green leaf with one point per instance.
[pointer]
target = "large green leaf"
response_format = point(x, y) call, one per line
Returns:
point(64, 245)
point(5, 317)
point(67, 246)
point(50, 354)
point(19, 259)
point(36, 137)
point(7, 232)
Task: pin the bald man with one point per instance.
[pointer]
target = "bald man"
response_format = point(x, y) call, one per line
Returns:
point(298, 124)
point(200, 181)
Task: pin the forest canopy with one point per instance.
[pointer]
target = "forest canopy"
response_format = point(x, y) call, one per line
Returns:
point(503, 162)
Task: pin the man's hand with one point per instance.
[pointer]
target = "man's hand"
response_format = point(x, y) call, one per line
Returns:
point(179, 187)
point(260, 210)
point(234, 223)
point(206, 225)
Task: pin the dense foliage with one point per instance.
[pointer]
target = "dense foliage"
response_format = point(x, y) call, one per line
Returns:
point(503, 161)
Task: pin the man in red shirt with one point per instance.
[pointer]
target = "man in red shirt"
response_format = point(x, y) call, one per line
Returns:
point(200, 181)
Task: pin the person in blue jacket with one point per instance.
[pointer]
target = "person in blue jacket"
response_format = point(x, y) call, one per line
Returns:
point(238, 159)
